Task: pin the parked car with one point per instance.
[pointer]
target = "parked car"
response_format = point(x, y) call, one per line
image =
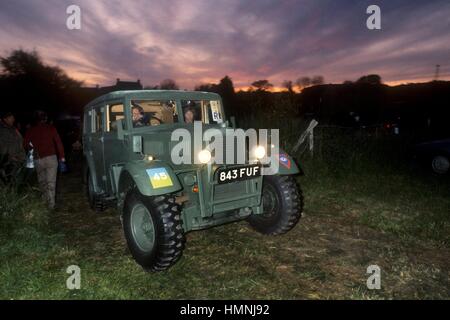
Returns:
point(435, 155)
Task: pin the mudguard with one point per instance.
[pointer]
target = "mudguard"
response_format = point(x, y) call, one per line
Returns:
point(286, 164)
point(151, 178)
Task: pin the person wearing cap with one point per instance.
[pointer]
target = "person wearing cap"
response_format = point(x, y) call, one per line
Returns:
point(12, 153)
point(48, 149)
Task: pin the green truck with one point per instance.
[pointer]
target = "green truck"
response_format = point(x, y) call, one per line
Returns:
point(128, 149)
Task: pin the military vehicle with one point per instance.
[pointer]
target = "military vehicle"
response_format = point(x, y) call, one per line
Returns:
point(128, 163)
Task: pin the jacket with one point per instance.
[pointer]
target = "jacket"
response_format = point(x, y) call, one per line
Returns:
point(46, 141)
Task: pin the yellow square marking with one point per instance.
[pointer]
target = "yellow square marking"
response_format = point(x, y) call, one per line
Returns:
point(159, 178)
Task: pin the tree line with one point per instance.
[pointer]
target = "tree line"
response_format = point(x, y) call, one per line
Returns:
point(28, 84)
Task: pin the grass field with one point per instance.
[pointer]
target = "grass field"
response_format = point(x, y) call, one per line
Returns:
point(356, 214)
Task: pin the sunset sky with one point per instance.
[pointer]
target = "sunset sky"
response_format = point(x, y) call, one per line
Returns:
point(200, 41)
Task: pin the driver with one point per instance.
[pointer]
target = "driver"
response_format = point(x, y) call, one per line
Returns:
point(138, 116)
point(142, 119)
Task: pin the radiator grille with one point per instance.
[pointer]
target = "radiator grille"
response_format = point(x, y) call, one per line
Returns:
point(230, 190)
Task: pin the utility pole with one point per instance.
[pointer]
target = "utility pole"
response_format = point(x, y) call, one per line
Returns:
point(436, 75)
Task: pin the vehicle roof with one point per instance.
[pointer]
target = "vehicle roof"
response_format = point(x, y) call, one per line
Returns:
point(154, 94)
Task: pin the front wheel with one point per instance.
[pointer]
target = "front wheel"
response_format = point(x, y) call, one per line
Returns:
point(153, 230)
point(282, 205)
point(440, 164)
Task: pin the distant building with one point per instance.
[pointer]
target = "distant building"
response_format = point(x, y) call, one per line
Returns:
point(122, 85)
point(97, 91)
point(84, 95)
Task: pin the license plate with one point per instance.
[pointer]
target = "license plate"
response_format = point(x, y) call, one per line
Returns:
point(240, 173)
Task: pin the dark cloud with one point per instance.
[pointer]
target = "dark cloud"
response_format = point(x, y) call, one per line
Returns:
point(199, 41)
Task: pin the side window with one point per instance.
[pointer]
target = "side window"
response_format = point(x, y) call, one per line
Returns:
point(153, 112)
point(98, 120)
point(207, 111)
point(192, 111)
point(115, 112)
point(214, 111)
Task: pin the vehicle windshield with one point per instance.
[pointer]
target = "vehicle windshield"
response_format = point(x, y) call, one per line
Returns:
point(207, 111)
point(153, 112)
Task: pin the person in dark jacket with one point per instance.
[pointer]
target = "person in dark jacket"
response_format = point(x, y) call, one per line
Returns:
point(48, 149)
point(12, 153)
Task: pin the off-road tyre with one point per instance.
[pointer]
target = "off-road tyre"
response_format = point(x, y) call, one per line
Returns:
point(282, 204)
point(156, 242)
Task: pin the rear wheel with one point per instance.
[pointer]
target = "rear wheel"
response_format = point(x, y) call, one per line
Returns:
point(95, 201)
point(153, 230)
point(282, 205)
point(440, 164)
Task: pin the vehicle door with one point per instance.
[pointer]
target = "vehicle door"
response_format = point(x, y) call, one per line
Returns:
point(114, 152)
point(95, 147)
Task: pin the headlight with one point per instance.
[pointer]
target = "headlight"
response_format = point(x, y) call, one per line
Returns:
point(260, 152)
point(204, 156)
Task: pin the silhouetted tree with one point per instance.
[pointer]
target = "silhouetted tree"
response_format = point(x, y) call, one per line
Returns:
point(29, 84)
point(370, 79)
point(317, 80)
point(226, 86)
point(226, 89)
point(22, 64)
point(303, 82)
point(262, 85)
point(168, 84)
point(288, 85)
point(206, 87)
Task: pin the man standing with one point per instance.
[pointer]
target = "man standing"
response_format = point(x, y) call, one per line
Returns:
point(12, 154)
point(48, 149)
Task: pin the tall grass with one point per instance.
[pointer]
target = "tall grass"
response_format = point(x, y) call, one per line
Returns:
point(375, 176)
point(18, 210)
point(27, 244)
point(369, 171)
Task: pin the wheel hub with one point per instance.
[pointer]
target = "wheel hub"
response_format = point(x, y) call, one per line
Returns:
point(143, 228)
